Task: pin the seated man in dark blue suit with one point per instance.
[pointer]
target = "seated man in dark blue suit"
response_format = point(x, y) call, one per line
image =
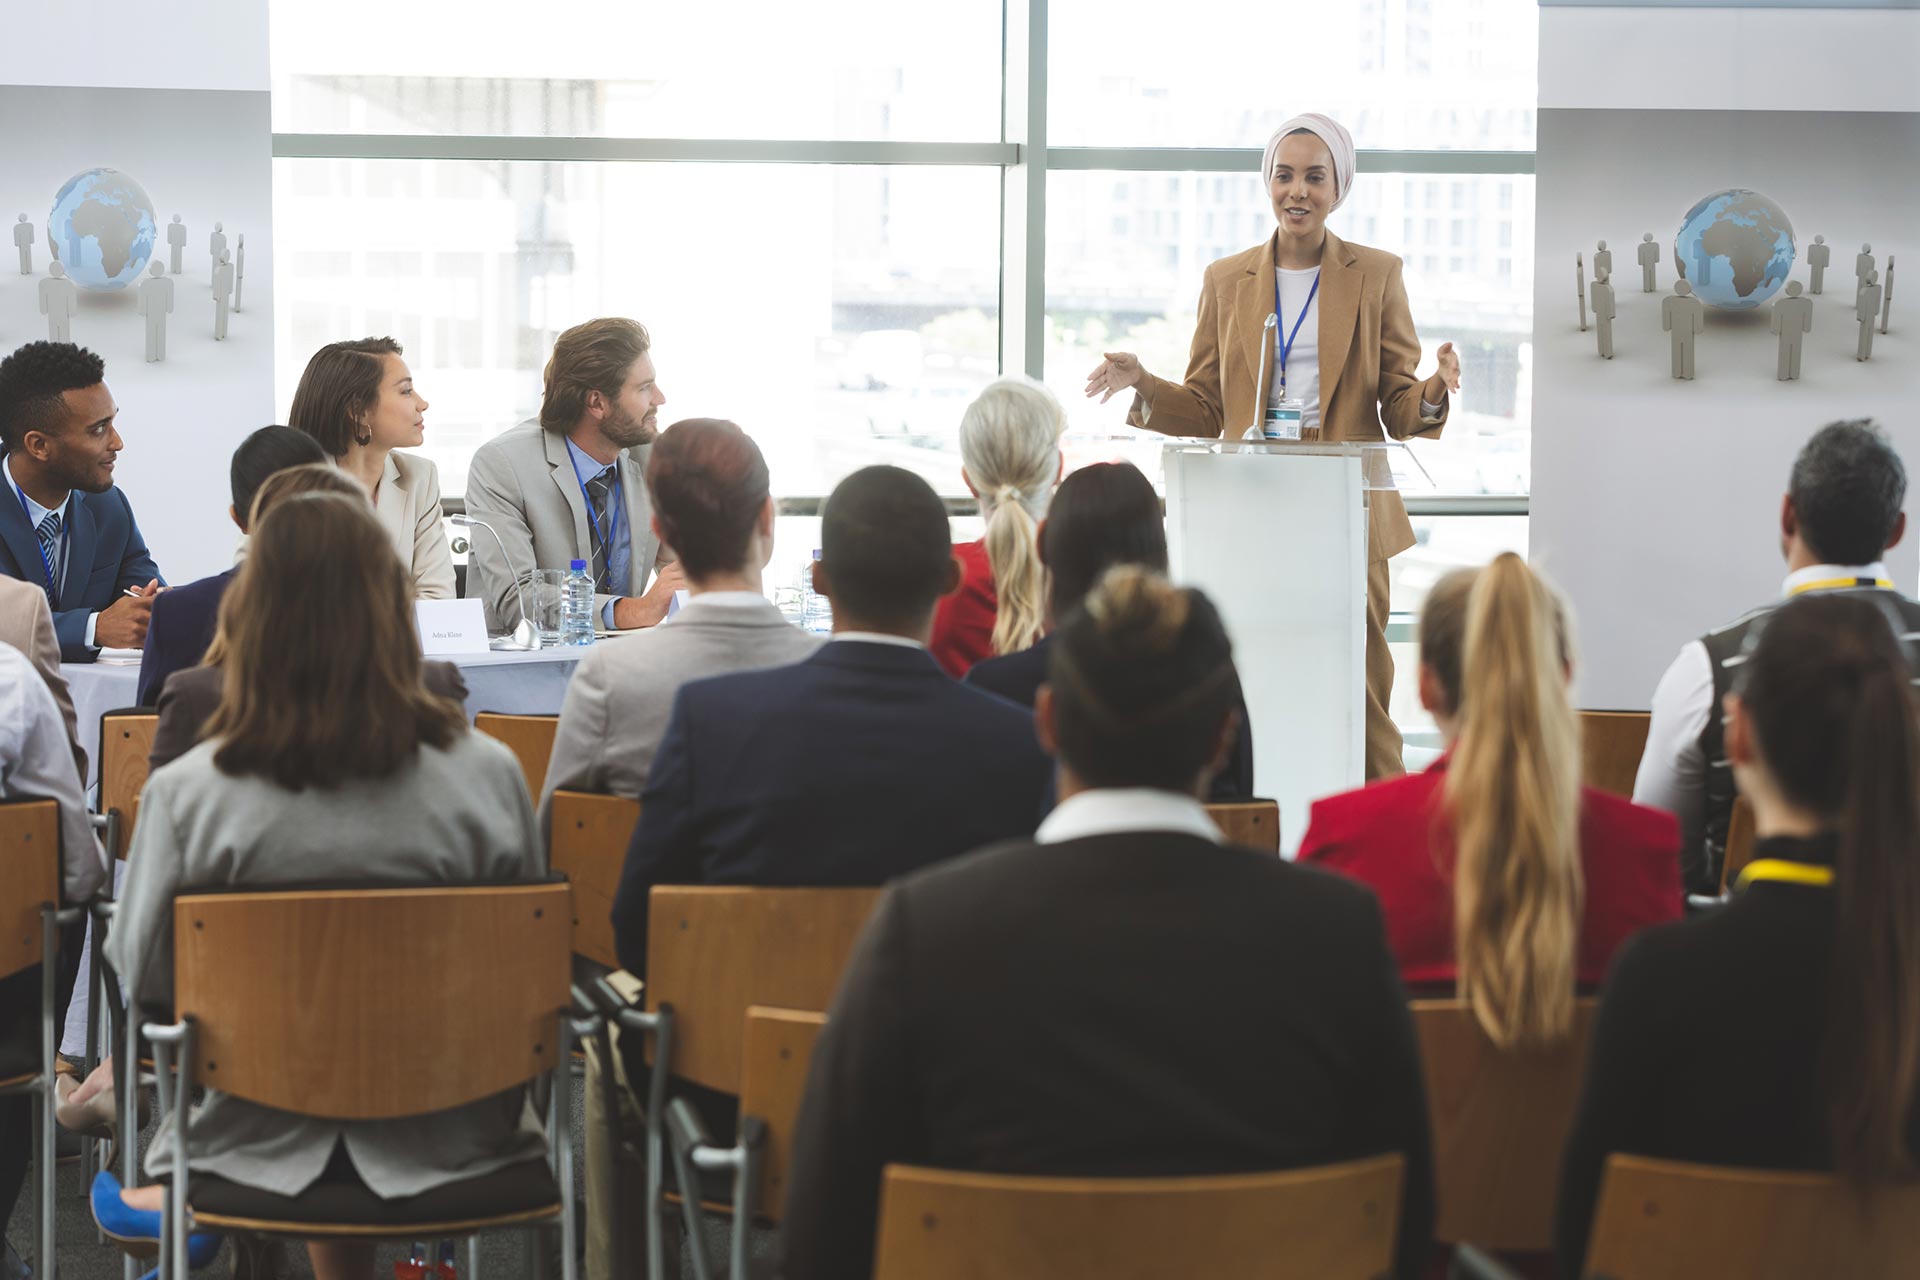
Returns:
point(858, 765)
point(183, 618)
point(65, 528)
point(1100, 516)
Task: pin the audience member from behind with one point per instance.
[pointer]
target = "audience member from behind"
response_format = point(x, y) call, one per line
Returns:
point(183, 618)
point(64, 527)
point(1010, 459)
point(969, 1032)
point(358, 400)
point(1102, 515)
point(711, 502)
point(189, 698)
point(1497, 870)
point(26, 624)
point(327, 761)
point(856, 766)
point(1782, 1031)
point(36, 763)
point(570, 484)
point(1842, 511)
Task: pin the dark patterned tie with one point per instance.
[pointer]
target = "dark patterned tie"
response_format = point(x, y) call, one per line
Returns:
point(49, 532)
point(599, 489)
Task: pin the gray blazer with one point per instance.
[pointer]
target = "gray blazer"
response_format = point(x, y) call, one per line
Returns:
point(450, 817)
point(522, 483)
point(622, 692)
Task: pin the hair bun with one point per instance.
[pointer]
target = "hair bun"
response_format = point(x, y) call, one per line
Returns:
point(1137, 609)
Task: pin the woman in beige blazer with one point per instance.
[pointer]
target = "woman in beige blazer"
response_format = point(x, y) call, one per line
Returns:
point(358, 400)
point(1347, 305)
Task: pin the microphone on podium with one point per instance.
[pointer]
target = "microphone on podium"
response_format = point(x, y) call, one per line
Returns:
point(524, 636)
point(1256, 431)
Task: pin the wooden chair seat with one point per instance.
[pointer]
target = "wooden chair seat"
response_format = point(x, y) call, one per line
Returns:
point(520, 1193)
point(1252, 823)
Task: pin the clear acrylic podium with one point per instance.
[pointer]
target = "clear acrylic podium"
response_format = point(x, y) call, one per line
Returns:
point(1276, 534)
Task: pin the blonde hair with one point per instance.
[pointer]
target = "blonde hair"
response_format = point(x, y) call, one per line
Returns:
point(1010, 446)
point(1512, 797)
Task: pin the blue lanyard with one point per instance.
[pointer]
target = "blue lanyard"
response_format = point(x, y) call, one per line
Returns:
point(66, 536)
point(612, 529)
point(1286, 345)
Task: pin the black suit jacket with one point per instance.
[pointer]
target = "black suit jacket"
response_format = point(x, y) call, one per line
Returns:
point(1707, 1044)
point(105, 556)
point(1017, 677)
point(1138, 1004)
point(179, 632)
point(860, 764)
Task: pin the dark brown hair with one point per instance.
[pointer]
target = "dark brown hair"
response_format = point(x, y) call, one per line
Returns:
point(887, 547)
point(594, 356)
point(322, 664)
point(709, 484)
point(339, 388)
point(1826, 690)
point(1102, 515)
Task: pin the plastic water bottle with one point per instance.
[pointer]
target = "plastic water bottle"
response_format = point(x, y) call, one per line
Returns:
point(816, 611)
point(576, 606)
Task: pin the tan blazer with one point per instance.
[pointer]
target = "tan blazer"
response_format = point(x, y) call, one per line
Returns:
point(26, 623)
point(408, 505)
point(1368, 352)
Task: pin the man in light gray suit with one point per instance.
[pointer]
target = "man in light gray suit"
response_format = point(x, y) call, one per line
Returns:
point(711, 501)
point(571, 483)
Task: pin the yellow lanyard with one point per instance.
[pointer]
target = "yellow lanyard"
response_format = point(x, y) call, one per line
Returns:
point(1838, 584)
point(1785, 872)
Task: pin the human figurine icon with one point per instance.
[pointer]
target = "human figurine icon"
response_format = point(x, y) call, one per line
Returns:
point(1863, 266)
point(23, 240)
point(239, 269)
point(156, 303)
point(1649, 256)
point(1819, 258)
point(222, 294)
point(1602, 260)
point(176, 243)
point(1685, 317)
point(1580, 287)
point(1603, 313)
point(1867, 310)
point(1793, 321)
point(216, 245)
point(59, 299)
point(1886, 303)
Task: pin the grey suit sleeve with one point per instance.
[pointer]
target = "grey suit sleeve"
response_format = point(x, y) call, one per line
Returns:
point(580, 740)
point(494, 494)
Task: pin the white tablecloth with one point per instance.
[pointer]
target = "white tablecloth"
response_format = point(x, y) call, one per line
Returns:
point(531, 684)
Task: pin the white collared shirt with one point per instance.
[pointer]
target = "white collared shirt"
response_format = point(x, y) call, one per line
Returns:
point(1111, 810)
point(35, 514)
point(1673, 770)
point(731, 599)
point(877, 637)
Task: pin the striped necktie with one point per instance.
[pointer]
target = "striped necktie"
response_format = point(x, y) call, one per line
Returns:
point(599, 489)
point(49, 532)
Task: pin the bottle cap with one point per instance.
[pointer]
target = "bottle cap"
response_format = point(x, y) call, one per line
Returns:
point(578, 566)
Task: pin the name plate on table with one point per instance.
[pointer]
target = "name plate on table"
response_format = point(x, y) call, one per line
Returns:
point(451, 627)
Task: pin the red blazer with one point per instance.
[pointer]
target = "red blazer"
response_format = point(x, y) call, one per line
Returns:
point(963, 622)
point(1391, 837)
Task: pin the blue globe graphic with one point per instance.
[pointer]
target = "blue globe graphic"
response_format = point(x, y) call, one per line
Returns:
point(1735, 248)
point(102, 229)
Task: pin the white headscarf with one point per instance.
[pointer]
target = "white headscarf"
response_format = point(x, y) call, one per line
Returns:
point(1339, 145)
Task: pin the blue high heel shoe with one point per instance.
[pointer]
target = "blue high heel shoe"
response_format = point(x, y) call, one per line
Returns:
point(138, 1230)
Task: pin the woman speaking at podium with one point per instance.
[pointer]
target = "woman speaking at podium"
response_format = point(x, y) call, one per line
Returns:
point(1337, 356)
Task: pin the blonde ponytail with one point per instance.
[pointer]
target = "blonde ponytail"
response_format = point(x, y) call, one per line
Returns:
point(1010, 446)
point(1513, 798)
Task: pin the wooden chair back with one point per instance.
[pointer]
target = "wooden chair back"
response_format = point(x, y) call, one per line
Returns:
point(1664, 1220)
point(126, 740)
point(1253, 823)
point(773, 1077)
point(1500, 1121)
point(588, 845)
point(1332, 1223)
point(714, 952)
point(1739, 843)
point(1611, 744)
point(530, 738)
point(301, 999)
point(29, 879)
